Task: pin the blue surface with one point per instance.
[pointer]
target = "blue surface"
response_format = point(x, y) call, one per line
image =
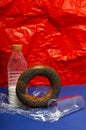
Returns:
point(74, 121)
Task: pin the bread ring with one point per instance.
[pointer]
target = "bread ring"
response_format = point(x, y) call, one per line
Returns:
point(33, 101)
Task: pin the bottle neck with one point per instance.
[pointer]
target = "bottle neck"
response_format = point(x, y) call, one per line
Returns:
point(16, 52)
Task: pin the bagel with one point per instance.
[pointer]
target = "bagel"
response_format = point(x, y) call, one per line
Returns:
point(26, 76)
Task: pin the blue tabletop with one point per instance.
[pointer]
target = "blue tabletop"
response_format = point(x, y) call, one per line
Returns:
point(74, 121)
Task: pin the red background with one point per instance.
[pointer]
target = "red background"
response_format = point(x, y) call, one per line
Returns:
point(52, 32)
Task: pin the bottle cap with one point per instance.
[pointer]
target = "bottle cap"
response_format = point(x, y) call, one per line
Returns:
point(16, 47)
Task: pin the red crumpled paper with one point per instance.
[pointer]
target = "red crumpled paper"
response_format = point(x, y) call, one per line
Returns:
point(52, 32)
